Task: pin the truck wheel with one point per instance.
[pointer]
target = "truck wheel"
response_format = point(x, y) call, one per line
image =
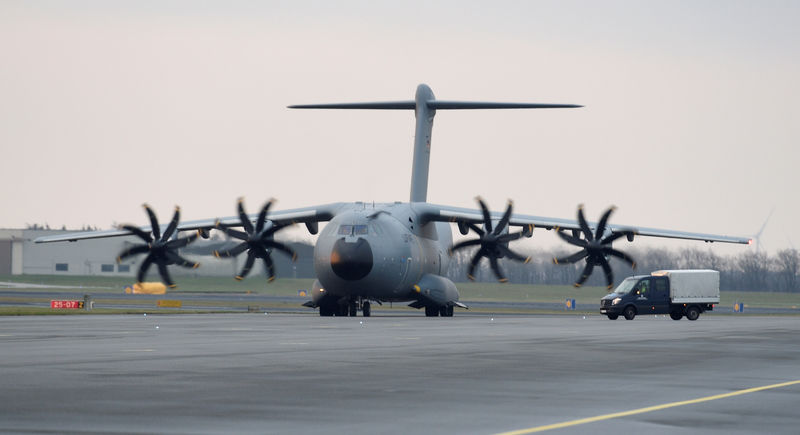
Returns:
point(692, 313)
point(613, 316)
point(675, 315)
point(629, 313)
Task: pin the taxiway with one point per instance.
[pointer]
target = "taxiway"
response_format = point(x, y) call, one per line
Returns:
point(282, 373)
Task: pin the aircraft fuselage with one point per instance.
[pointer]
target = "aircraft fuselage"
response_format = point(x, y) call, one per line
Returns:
point(378, 252)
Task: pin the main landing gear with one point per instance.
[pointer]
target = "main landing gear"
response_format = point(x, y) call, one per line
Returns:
point(345, 308)
point(444, 311)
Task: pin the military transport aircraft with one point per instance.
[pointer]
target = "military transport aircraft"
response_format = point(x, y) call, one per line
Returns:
point(391, 252)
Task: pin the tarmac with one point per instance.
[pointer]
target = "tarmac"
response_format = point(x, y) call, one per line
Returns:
point(392, 374)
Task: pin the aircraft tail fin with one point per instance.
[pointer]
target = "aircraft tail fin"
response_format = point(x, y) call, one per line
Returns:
point(425, 106)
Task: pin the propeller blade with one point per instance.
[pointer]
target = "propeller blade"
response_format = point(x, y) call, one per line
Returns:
point(248, 264)
point(155, 228)
point(504, 220)
point(474, 262)
point(281, 247)
point(246, 224)
point(233, 252)
point(621, 255)
point(138, 232)
point(505, 238)
point(608, 240)
point(180, 243)
point(133, 250)
point(173, 223)
point(487, 219)
point(513, 255)
point(236, 234)
point(180, 261)
point(580, 255)
point(162, 270)
point(496, 269)
point(274, 228)
point(262, 216)
point(573, 240)
point(269, 266)
point(140, 275)
point(464, 244)
point(476, 228)
point(587, 232)
point(608, 272)
point(585, 275)
point(601, 227)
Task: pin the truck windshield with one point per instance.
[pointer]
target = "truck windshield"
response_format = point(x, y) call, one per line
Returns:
point(625, 286)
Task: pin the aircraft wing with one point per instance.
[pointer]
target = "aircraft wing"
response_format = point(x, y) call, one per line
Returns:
point(306, 215)
point(443, 213)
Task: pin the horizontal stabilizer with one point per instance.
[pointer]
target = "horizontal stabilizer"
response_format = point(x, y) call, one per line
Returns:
point(451, 105)
point(434, 104)
point(385, 105)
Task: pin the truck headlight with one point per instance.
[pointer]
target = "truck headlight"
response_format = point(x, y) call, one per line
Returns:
point(616, 301)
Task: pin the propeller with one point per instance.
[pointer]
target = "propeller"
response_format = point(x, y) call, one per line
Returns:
point(258, 241)
point(160, 250)
point(493, 242)
point(596, 248)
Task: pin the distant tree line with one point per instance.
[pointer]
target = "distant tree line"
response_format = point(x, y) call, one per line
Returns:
point(748, 271)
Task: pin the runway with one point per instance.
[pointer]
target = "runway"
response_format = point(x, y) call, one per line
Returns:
point(284, 373)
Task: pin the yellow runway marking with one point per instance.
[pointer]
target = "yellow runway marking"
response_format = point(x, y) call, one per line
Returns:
point(645, 410)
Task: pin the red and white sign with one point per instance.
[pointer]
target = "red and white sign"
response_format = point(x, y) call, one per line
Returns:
point(66, 304)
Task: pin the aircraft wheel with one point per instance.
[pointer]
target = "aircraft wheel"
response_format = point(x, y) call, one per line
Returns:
point(327, 310)
point(446, 311)
point(613, 316)
point(629, 313)
point(365, 309)
point(353, 308)
point(431, 311)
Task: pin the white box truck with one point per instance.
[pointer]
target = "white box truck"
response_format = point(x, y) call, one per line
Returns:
point(675, 292)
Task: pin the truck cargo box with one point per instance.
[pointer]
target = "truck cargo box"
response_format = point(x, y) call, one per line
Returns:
point(692, 286)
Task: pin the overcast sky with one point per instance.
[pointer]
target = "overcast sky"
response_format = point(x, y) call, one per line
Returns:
point(690, 119)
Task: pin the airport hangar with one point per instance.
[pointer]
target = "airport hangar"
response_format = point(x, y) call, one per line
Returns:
point(19, 255)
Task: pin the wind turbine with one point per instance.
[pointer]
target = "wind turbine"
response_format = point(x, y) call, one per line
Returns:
point(757, 236)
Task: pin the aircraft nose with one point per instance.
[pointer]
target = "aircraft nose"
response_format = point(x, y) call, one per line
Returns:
point(351, 261)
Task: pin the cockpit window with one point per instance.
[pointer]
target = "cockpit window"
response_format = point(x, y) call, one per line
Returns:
point(345, 230)
point(361, 230)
